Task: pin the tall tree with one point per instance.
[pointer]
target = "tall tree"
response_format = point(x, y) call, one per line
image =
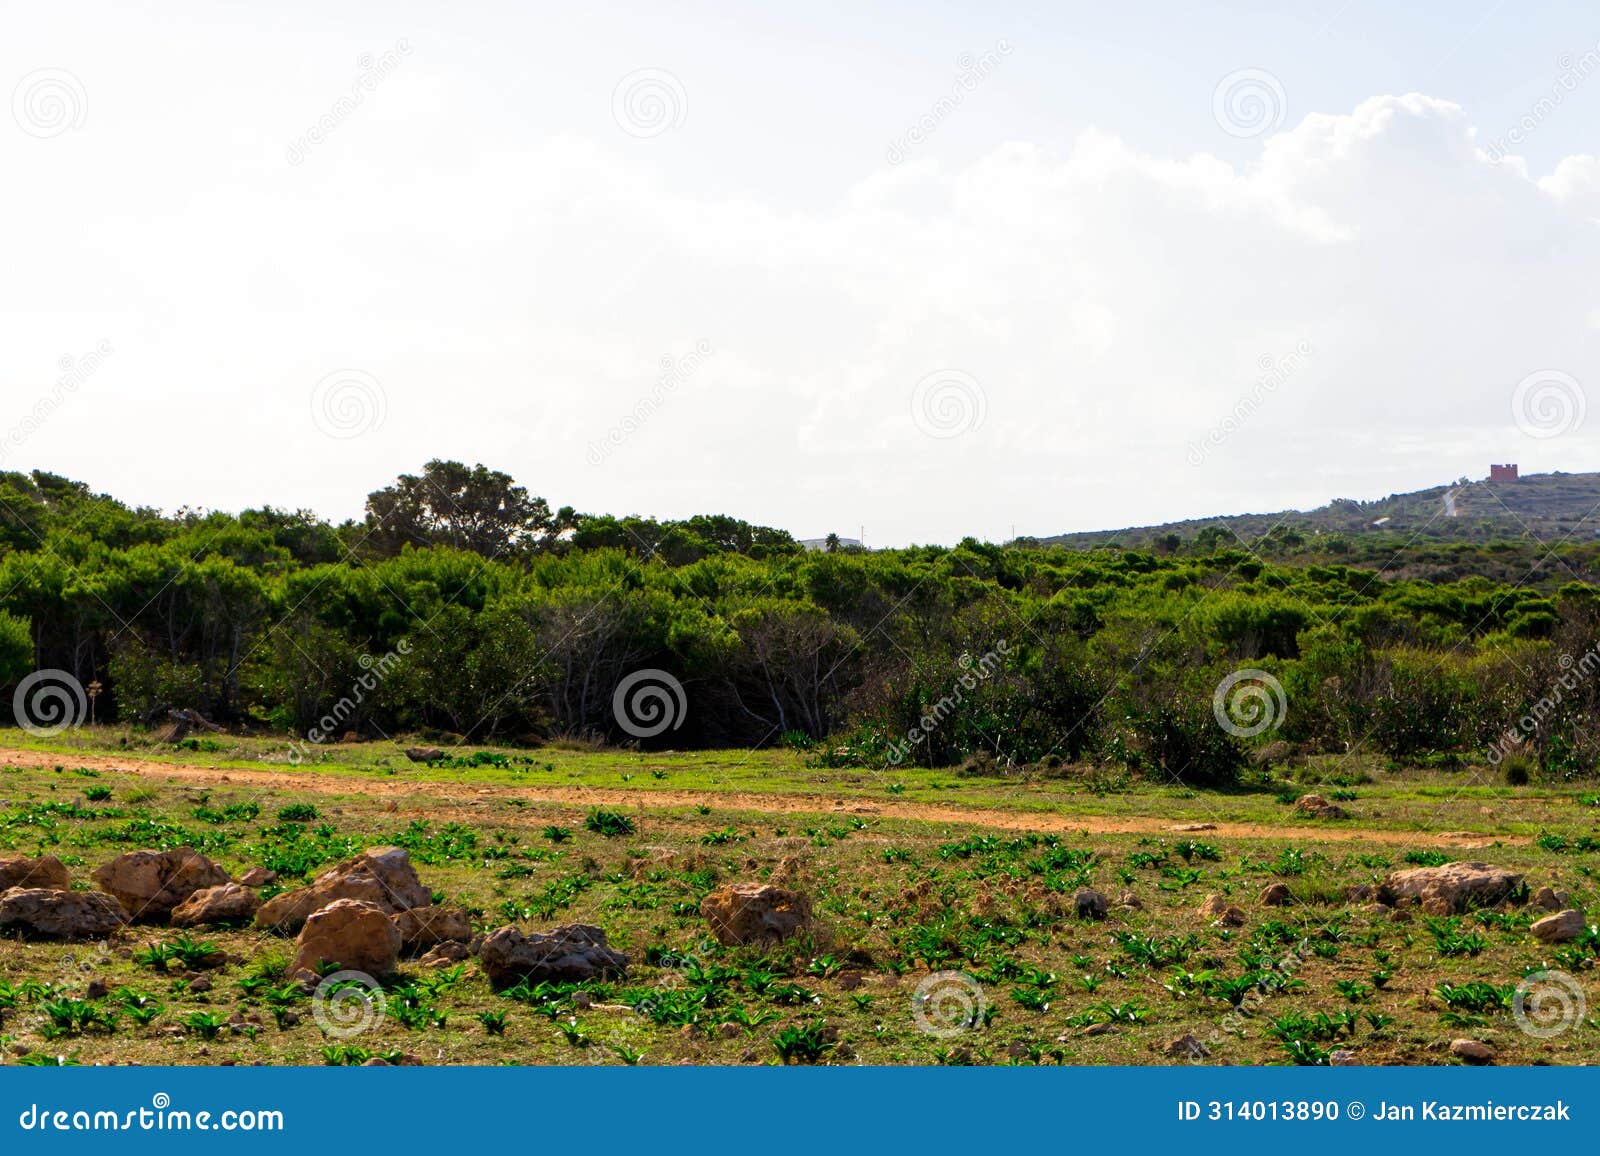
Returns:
point(475, 509)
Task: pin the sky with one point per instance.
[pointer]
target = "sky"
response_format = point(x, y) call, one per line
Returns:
point(930, 270)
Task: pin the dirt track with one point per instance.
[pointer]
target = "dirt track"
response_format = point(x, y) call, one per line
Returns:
point(451, 796)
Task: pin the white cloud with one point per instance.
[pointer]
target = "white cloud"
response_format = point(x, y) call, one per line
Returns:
point(516, 302)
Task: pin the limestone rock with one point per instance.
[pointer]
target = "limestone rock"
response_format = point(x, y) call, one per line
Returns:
point(44, 872)
point(149, 884)
point(1458, 885)
point(352, 933)
point(1316, 807)
point(427, 926)
point(572, 953)
point(382, 876)
point(51, 913)
point(1560, 927)
point(755, 913)
point(229, 903)
point(1473, 1051)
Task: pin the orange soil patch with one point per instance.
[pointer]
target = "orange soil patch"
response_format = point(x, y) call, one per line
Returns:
point(449, 796)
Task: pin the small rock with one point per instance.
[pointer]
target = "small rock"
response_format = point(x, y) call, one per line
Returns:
point(1317, 807)
point(1549, 899)
point(730, 1031)
point(257, 877)
point(1473, 1051)
point(755, 913)
point(229, 903)
point(1275, 895)
point(1089, 903)
point(1559, 928)
point(1436, 905)
point(445, 955)
point(97, 989)
point(1218, 909)
point(200, 983)
point(46, 872)
point(422, 927)
point(573, 953)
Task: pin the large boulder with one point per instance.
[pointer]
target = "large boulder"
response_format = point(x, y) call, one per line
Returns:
point(755, 913)
point(229, 903)
point(382, 876)
point(149, 884)
point(422, 927)
point(352, 933)
point(572, 953)
point(1451, 886)
point(45, 871)
point(52, 913)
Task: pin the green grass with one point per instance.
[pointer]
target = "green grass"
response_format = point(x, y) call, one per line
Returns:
point(899, 901)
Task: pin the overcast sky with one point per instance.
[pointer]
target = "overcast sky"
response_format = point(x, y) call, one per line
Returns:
point(936, 270)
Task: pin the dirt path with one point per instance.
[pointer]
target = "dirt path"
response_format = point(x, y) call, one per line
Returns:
point(453, 796)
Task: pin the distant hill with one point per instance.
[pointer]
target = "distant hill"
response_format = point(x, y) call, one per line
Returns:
point(1541, 531)
point(1548, 507)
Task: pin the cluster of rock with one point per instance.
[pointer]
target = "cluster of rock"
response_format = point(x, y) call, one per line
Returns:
point(362, 914)
point(1448, 889)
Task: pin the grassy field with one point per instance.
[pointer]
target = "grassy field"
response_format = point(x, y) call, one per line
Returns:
point(945, 933)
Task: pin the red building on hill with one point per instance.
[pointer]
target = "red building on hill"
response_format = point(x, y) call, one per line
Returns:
point(1507, 473)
